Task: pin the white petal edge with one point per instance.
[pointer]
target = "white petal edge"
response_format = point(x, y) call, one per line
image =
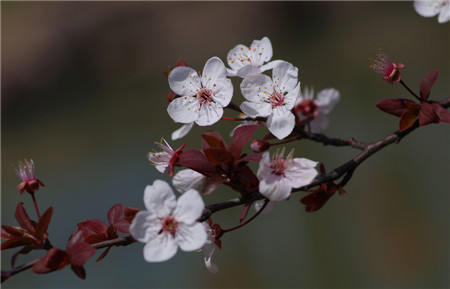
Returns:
point(184, 81)
point(281, 122)
point(144, 226)
point(183, 109)
point(182, 131)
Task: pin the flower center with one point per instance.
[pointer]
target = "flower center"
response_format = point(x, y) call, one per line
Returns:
point(276, 99)
point(204, 95)
point(169, 224)
point(307, 108)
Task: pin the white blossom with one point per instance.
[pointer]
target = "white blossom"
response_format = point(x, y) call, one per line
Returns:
point(202, 97)
point(182, 131)
point(245, 61)
point(431, 8)
point(277, 175)
point(273, 98)
point(316, 109)
point(167, 223)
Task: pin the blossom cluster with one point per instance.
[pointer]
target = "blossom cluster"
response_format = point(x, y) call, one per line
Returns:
point(273, 100)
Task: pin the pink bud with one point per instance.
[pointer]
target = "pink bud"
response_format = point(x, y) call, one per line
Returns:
point(259, 146)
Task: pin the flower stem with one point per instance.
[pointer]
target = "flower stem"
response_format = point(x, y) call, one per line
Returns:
point(286, 140)
point(35, 206)
point(233, 119)
point(410, 91)
point(266, 201)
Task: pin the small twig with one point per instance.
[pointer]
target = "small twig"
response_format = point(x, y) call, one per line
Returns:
point(410, 91)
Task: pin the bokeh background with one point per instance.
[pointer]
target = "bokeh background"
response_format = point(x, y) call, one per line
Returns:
point(84, 96)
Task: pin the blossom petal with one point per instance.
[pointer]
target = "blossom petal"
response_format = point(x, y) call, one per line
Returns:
point(427, 8)
point(291, 97)
point(248, 70)
point(209, 114)
point(444, 16)
point(184, 81)
point(182, 131)
point(326, 99)
point(254, 109)
point(187, 179)
point(319, 124)
point(236, 59)
point(285, 75)
point(183, 109)
point(145, 226)
point(191, 237)
point(161, 248)
point(213, 71)
point(281, 122)
point(301, 173)
point(222, 91)
point(275, 191)
point(257, 88)
point(159, 198)
point(189, 208)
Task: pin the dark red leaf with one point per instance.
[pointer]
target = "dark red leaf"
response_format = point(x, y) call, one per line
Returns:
point(395, 106)
point(441, 112)
point(17, 242)
point(112, 232)
point(218, 156)
point(129, 213)
point(251, 158)
point(123, 226)
point(23, 219)
point(79, 253)
point(42, 225)
point(409, 116)
point(213, 139)
point(211, 184)
point(92, 227)
point(23, 251)
point(315, 201)
point(103, 255)
point(55, 259)
point(79, 271)
point(9, 232)
point(115, 213)
point(427, 83)
point(427, 114)
point(240, 137)
point(170, 96)
point(197, 161)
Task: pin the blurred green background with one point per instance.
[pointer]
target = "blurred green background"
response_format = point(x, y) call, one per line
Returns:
point(83, 95)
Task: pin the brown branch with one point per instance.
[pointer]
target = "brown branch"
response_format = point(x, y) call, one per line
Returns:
point(345, 170)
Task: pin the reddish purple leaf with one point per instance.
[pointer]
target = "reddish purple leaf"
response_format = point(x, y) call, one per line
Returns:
point(79, 253)
point(240, 137)
point(129, 213)
point(211, 184)
point(92, 227)
point(427, 83)
point(9, 232)
point(115, 213)
point(441, 112)
point(315, 201)
point(170, 96)
point(180, 62)
point(427, 114)
point(395, 106)
point(409, 116)
point(55, 259)
point(197, 161)
point(212, 139)
point(112, 232)
point(42, 225)
point(251, 158)
point(79, 271)
point(23, 219)
point(219, 156)
point(123, 226)
point(17, 242)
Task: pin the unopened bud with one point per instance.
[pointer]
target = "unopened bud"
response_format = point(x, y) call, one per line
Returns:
point(259, 146)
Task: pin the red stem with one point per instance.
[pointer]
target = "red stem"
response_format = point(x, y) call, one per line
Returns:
point(410, 91)
point(35, 206)
point(249, 220)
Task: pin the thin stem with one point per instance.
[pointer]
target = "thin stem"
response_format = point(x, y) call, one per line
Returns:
point(249, 220)
point(410, 91)
point(285, 141)
point(233, 119)
point(35, 205)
